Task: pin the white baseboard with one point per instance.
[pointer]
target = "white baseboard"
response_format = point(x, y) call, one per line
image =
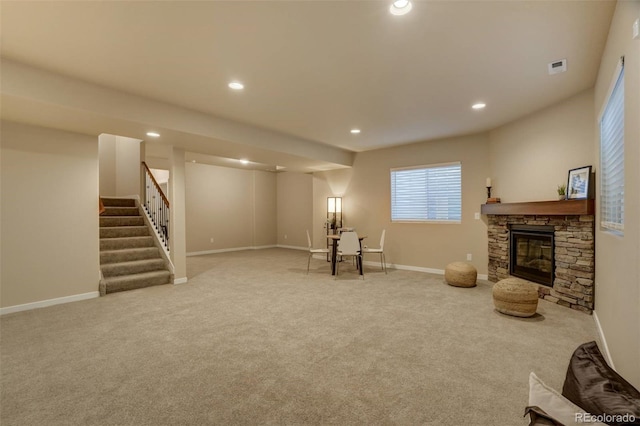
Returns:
point(227, 250)
point(182, 280)
point(293, 247)
point(49, 302)
point(404, 267)
point(605, 347)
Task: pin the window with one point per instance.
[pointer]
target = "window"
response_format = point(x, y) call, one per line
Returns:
point(612, 157)
point(427, 193)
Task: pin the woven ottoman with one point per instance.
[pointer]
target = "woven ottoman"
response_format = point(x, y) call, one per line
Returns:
point(460, 274)
point(516, 297)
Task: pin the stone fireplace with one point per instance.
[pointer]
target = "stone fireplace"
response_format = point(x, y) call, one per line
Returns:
point(567, 258)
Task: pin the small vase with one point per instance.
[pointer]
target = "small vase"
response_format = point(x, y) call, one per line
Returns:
point(562, 197)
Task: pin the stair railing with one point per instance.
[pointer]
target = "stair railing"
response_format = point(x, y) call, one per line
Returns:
point(156, 205)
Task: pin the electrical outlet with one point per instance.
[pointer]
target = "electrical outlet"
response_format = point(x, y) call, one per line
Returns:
point(476, 216)
point(285, 236)
point(469, 256)
point(636, 29)
point(211, 240)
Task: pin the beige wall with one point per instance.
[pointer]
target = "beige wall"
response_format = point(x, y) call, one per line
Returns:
point(617, 293)
point(107, 156)
point(265, 208)
point(295, 201)
point(235, 207)
point(177, 215)
point(530, 157)
point(128, 166)
point(367, 205)
point(50, 245)
point(119, 165)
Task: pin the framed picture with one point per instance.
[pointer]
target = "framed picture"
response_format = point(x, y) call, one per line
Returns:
point(578, 184)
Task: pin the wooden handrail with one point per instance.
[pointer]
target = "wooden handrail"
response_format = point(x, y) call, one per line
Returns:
point(153, 179)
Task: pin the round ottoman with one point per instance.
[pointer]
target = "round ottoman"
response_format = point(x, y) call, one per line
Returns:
point(460, 274)
point(516, 297)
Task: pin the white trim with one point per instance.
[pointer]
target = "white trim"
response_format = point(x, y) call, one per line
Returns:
point(225, 250)
point(293, 247)
point(49, 302)
point(323, 256)
point(182, 280)
point(427, 166)
point(612, 85)
point(605, 347)
point(200, 253)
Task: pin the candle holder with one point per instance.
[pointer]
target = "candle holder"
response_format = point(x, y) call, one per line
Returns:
point(488, 192)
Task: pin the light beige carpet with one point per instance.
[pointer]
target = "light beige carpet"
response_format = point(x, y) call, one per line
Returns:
point(251, 339)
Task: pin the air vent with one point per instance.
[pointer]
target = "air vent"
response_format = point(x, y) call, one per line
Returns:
point(556, 67)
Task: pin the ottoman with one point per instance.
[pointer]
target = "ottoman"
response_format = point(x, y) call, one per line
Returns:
point(460, 274)
point(516, 297)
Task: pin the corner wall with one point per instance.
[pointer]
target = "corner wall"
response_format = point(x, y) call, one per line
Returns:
point(531, 156)
point(617, 293)
point(367, 203)
point(295, 201)
point(119, 165)
point(234, 207)
point(49, 196)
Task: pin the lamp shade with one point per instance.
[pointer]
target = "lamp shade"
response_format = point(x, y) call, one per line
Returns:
point(334, 205)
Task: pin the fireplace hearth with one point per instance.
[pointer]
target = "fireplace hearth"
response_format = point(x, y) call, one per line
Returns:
point(532, 253)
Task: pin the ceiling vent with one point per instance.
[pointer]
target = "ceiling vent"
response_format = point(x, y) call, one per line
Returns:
point(556, 67)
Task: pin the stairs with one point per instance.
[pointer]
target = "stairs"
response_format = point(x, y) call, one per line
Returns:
point(129, 258)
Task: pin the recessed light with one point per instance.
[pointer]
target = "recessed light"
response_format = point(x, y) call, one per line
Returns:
point(355, 131)
point(479, 105)
point(236, 85)
point(400, 7)
point(244, 161)
point(153, 134)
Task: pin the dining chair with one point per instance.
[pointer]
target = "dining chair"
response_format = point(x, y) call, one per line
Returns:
point(313, 251)
point(380, 250)
point(349, 245)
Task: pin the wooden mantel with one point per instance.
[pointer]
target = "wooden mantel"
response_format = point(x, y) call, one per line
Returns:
point(549, 208)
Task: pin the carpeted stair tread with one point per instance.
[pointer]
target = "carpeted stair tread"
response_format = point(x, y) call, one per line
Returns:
point(107, 221)
point(126, 243)
point(135, 281)
point(121, 211)
point(129, 258)
point(123, 231)
point(128, 255)
point(133, 267)
point(118, 202)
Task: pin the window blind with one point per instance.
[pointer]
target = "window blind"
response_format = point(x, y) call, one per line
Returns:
point(612, 159)
point(427, 193)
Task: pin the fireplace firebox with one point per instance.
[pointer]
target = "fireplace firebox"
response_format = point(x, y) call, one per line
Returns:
point(532, 253)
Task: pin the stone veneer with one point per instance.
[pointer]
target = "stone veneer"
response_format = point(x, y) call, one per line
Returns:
point(573, 285)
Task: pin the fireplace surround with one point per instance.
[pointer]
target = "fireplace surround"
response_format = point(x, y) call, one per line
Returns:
point(531, 253)
point(574, 250)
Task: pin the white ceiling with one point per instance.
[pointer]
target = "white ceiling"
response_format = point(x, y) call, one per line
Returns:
point(315, 69)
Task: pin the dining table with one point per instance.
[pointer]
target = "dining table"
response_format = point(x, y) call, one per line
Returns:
point(334, 251)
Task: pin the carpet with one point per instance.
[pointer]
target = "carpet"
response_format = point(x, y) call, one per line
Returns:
point(252, 339)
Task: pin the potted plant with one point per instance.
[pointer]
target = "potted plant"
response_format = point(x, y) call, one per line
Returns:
point(562, 191)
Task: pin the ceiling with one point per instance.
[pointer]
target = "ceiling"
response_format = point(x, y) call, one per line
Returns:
point(313, 70)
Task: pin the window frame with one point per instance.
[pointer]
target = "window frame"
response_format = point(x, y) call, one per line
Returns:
point(606, 224)
point(422, 167)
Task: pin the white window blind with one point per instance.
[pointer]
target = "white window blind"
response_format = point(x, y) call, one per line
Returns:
point(427, 193)
point(612, 158)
